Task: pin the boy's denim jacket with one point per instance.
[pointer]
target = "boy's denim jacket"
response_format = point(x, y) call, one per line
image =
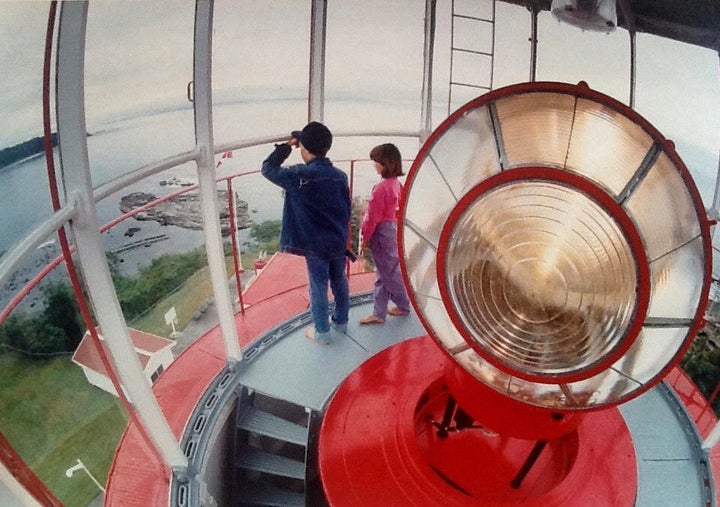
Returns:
point(316, 212)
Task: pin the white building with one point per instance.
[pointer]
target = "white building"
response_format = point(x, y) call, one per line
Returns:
point(154, 352)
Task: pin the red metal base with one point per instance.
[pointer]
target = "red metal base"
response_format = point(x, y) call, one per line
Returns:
point(379, 445)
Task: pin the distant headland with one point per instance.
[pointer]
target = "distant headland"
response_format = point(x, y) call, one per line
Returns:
point(184, 210)
point(34, 146)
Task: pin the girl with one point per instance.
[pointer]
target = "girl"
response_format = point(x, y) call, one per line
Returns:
point(379, 232)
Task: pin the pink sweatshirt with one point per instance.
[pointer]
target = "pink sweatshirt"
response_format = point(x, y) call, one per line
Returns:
point(383, 205)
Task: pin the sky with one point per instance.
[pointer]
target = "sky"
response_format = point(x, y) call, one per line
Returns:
point(139, 58)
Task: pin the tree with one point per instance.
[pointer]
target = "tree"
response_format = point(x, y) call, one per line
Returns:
point(62, 312)
point(44, 338)
point(266, 235)
point(32, 336)
point(12, 332)
point(156, 281)
point(702, 364)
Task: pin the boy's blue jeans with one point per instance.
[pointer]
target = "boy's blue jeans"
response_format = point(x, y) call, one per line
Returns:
point(320, 272)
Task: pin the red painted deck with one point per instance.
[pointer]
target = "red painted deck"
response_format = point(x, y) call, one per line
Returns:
point(136, 477)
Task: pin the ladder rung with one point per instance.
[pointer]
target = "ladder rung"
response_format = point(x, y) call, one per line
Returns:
point(468, 85)
point(251, 458)
point(252, 493)
point(471, 23)
point(474, 18)
point(265, 423)
point(472, 51)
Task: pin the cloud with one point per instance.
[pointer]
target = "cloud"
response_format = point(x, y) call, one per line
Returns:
point(22, 42)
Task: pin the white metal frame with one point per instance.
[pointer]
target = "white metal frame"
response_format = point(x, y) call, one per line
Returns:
point(428, 56)
point(318, 36)
point(202, 102)
point(72, 143)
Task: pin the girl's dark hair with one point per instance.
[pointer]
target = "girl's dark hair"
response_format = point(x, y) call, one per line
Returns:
point(388, 156)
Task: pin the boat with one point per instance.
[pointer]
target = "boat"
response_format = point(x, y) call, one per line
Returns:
point(556, 249)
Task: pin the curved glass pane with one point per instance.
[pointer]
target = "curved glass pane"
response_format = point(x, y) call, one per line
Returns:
point(670, 93)
point(677, 282)
point(662, 197)
point(565, 57)
point(139, 61)
point(420, 266)
point(260, 69)
point(24, 191)
point(429, 202)
point(524, 122)
point(461, 169)
point(614, 161)
point(372, 64)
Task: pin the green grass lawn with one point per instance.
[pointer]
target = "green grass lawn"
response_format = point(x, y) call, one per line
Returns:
point(187, 300)
point(193, 293)
point(52, 416)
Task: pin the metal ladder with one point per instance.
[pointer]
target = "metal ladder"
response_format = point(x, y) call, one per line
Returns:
point(472, 51)
point(274, 465)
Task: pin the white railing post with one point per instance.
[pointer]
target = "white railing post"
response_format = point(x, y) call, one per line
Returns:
point(428, 56)
point(318, 34)
point(72, 136)
point(207, 180)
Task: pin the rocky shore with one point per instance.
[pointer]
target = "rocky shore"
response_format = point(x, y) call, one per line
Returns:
point(184, 210)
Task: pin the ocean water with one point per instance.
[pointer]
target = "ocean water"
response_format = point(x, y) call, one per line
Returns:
point(120, 147)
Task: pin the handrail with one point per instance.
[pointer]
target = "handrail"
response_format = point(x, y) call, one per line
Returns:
point(257, 141)
point(13, 257)
point(112, 186)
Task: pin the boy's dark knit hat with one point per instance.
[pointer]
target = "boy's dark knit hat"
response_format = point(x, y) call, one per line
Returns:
point(316, 138)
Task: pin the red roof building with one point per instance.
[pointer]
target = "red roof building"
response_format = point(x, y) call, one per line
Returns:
point(154, 352)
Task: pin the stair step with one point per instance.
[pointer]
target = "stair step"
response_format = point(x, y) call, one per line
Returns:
point(265, 423)
point(252, 493)
point(251, 458)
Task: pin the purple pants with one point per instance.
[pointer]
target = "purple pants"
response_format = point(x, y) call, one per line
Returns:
point(389, 283)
